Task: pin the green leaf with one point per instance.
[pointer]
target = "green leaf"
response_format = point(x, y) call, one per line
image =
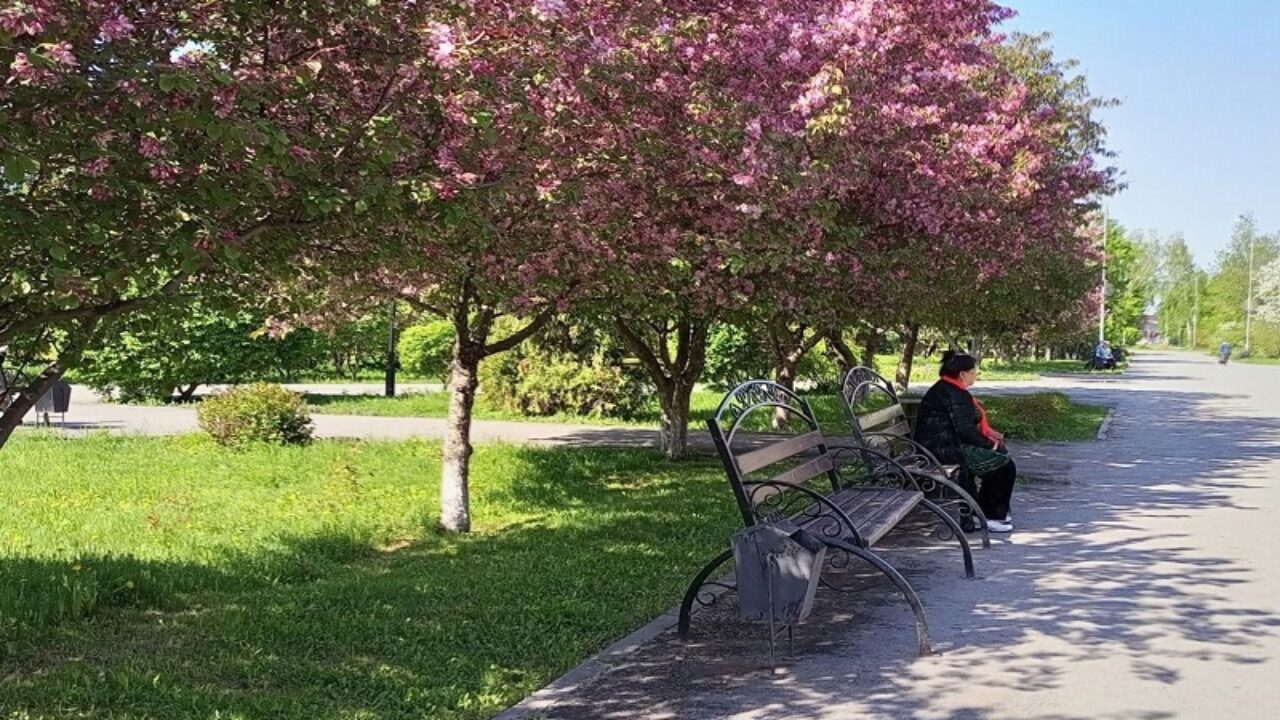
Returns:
point(168, 82)
point(17, 167)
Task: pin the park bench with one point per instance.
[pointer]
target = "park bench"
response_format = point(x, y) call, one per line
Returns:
point(879, 422)
point(848, 503)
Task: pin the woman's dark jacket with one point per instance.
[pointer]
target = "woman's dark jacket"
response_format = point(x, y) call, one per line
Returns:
point(947, 419)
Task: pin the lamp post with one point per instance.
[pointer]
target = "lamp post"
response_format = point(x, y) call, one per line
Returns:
point(1248, 302)
point(392, 362)
point(1195, 306)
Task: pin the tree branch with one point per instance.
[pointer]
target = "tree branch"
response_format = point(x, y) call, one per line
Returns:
point(647, 358)
point(539, 321)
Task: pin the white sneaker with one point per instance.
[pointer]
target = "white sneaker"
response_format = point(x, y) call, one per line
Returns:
point(999, 526)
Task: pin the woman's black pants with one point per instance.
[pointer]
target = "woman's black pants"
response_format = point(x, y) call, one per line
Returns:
point(994, 490)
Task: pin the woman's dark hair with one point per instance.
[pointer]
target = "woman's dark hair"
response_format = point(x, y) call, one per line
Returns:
point(954, 363)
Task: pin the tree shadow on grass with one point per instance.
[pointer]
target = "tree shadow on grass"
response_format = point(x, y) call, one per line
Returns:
point(446, 627)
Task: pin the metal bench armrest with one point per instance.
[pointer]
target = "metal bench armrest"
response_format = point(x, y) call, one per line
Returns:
point(917, 450)
point(827, 531)
point(882, 469)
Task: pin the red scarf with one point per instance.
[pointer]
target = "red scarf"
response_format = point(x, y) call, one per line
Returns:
point(984, 426)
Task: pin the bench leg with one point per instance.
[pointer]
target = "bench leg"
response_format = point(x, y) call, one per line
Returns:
point(955, 529)
point(691, 595)
point(962, 496)
point(924, 648)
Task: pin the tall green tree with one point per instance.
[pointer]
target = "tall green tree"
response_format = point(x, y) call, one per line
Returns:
point(1227, 291)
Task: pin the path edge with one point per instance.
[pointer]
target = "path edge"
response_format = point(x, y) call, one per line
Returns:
point(545, 698)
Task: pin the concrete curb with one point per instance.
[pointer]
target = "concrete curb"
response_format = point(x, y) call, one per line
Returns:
point(533, 706)
point(543, 700)
point(1105, 428)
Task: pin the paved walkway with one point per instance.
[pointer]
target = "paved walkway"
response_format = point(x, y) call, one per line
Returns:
point(1143, 583)
point(90, 414)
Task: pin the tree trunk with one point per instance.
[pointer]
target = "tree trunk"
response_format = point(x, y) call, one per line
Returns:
point(673, 375)
point(25, 399)
point(789, 346)
point(785, 374)
point(910, 337)
point(847, 359)
point(673, 436)
point(187, 393)
point(21, 401)
point(870, 344)
point(455, 496)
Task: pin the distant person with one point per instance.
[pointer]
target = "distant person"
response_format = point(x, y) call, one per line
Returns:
point(1224, 352)
point(1103, 358)
point(953, 425)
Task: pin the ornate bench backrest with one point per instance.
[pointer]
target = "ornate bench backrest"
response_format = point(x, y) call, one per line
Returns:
point(872, 407)
point(764, 472)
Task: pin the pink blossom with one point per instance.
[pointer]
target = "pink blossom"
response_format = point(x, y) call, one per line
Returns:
point(224, 101)
point(442, 36)
point(97, 166)
point(167, 173)
point(15, 22)
point(21, 67)
point(549, 9)
point(151, 147)
point(101, 193)
point(116, 28)
point(61, 53)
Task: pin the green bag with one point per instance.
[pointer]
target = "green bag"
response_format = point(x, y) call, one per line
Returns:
point(980, 460)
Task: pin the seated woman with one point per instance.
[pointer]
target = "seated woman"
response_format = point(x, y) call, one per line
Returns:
point(953, 425)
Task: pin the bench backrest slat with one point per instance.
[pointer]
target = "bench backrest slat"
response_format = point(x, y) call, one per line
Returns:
point(805, 471)
point(882, 420)
point(745, 409)
point(871, 405)
point(749, 462)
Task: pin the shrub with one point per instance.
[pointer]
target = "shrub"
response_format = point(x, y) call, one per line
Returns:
point(427, 350)
point(545, 383)
point(734, 355)
point(262, 412)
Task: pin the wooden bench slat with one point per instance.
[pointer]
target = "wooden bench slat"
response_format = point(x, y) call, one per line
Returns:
point(900, 428)
point(881, 416)
point(796, 475)
point(875, 511)
point(806, 470)
point(766, 456)
point(887, 508)
point(892, 415)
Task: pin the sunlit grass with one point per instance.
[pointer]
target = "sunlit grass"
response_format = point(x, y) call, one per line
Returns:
point(165, 578)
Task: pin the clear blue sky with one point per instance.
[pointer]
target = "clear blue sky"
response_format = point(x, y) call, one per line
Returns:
point(1198, 130)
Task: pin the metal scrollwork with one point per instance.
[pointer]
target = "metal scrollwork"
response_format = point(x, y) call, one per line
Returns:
point(707, 598)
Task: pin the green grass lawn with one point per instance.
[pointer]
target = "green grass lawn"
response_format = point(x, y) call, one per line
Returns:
point(1043, 416)
point(436, 404)
point(166, 578)
point(1062, 421)
point(1257, 360)
point(925, 369)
